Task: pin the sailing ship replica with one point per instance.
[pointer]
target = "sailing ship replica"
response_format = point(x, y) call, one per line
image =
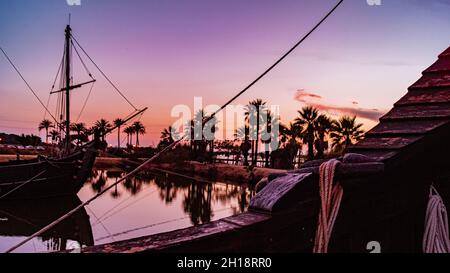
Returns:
point(66, 173)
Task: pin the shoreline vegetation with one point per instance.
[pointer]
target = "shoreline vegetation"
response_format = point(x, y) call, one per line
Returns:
point(247, 158)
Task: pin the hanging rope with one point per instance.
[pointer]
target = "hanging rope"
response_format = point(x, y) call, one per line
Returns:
point(435, 237)
point(85, 102)
point(330, 200)
point(27, 84)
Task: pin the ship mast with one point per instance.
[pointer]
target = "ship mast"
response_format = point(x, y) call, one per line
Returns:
point(67, 80)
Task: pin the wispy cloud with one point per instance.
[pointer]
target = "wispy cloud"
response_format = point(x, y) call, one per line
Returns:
point(315, 100)
point(302, 96)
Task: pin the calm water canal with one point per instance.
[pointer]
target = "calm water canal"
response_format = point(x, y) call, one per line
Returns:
point(140, 206)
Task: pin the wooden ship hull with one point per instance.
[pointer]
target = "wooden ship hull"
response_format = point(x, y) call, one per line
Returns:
point(44, 177)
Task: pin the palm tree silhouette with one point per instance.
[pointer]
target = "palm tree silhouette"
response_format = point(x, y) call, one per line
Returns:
point(307, 120)
point(54, 134)
point(129, 131)
point(139, 129)
point(291, 134)
point(45, 124)
point(345, 132)
point(168, 136)
point(323, 126)
point(102, 125)
point(80, 129)
point(254, 113)
point(118, 122)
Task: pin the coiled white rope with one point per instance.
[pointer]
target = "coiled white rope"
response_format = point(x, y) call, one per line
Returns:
point(330, 199)
point(435, 237)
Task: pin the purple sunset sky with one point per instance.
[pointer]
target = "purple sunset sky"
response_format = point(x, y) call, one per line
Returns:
point(163, 53)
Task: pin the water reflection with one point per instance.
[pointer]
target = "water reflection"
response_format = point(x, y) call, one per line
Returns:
point(196, 196)
point(150, 203)
point(21, 218)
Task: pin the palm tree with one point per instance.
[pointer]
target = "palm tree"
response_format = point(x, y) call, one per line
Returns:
point(254, 110)
point(80, 129)
point(307, 120)
point(345, 132)
point(54, 135)
point(323, 126)
point(139, 129)
point(290, 137)
point(102, 125)
point(268, 135)
point(118, 122)
point(129, 131)
point(168, 136)
point(45, 124)
point(243, 133)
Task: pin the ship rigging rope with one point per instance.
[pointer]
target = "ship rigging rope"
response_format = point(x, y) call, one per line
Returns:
point(54, 83)
point(27, 84)
point(85, 102)
point(436, 237)
point(169, 147)
point(104, 75)
point(23, 184)
point(330, 201)
point(81, 60)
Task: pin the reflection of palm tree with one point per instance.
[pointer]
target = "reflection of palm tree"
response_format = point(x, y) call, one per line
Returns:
point(197, 203)
point(98, 184)
point(115, 194)
point(133, 185)
point(307, 120)
point(345, 132)
point(45, 125)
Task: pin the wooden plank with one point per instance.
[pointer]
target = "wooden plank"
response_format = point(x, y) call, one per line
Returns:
point(349, 170)
point(442, 64)
point(186, 236)
point(446, 53)
point(280, 193)
point(439, 79)
point(379, 155)
point(425, 111)
point(425, 96)
point(388, 143)
point(385, 128)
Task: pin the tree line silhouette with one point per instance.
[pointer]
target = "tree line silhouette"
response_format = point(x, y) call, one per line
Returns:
point(313, 131)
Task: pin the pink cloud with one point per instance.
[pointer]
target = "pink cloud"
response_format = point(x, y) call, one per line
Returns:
point(301, 95)
point(315, 100)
